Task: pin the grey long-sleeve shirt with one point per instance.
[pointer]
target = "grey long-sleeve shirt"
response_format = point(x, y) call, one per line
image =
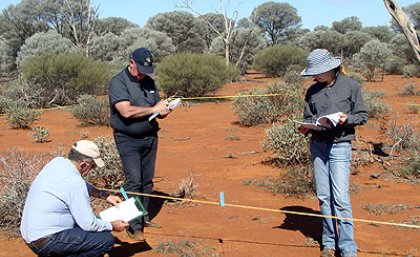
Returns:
point(343, 96)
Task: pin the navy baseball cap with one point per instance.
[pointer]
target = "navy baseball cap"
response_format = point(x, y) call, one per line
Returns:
point(143, 59)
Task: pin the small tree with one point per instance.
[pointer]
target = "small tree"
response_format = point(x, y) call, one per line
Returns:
point(188, 74)
point(372, 55)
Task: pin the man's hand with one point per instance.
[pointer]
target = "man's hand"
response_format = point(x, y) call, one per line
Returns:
point(303, 130)
point(114, 199)
point(119, 225)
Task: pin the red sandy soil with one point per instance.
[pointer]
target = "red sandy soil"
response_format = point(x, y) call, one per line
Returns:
point(194, 140)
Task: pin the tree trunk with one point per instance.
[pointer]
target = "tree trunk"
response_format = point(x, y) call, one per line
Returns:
point(403, 21)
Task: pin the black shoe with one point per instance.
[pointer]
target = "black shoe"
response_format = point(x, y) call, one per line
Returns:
point(149, 224)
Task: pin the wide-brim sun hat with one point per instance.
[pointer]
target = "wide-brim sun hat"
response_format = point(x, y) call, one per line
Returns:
point(320, 61)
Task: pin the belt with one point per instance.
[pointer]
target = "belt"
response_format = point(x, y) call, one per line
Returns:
point(39, 242)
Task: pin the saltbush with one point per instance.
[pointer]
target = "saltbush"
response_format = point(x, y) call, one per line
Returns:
point(40, 134)
point(187, 74)
point(91, 110)
point(411, 70)
point(5, 103)
point(409, 90)
point(288, 145)
point(275, 60)
point(21, 118)
point(374, 104)
point(298, 182)
point(66, 76)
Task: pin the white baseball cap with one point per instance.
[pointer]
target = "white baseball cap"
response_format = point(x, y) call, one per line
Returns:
point(89, 149)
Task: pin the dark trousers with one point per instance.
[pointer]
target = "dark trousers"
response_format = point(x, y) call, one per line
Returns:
point(75, 242)
point(138, 156)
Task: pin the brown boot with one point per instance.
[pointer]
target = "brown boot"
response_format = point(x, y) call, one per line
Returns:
point(137, 235)
point(327, 252)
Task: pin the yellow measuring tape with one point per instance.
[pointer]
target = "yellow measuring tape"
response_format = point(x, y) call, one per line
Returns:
point(266, 209)
point(225, 97)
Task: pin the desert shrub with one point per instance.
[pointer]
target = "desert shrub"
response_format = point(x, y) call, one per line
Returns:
point(185, 249)
point(40, 134)
point(403, 137)
point(27, 94)
point(22, 118)
point(111, 176)
point(410, 171)
point(297, 182)
point(187, 74)
point(17, 172)
point(275, 60)
point(187, 188)
point(91, 110)
point(374, 104)
point(411, 70)
point(268, 109)
point(253, 110)
point(413, 108)
point(356, 76)
point(409, 90)
point(288, 145)
point(394, 65)
point(292, 75)
point(66, 76)
point(6, 103)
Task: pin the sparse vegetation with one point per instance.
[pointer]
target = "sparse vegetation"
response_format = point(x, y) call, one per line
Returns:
point(91, 110)
point(381, 209)
point(409, 90)
point(40, 134)
point(18, 169)
point(185, 248)
point(413, 108)
point(298, 182)
point(374, 104)
point(21, 118)
point(288, 145)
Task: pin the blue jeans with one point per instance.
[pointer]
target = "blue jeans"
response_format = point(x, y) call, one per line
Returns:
point(332, 170)
point(76, 242)
point(138, 156)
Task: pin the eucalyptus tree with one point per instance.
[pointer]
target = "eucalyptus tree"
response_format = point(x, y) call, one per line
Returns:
point(347, 25)
point(7, 60)
point(279, 21)
point(41, 43)
point(372, 55)
point(328, 39)
point(115, 25)
point(245, 43)
point(383, 33)
point(182, 27)
point(218, 23)
point(354, 41)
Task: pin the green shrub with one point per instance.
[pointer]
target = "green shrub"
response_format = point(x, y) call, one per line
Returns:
point(403, 136)
point(394, 65)
point(40, 134)
point(253, 110)
point(6, 103)
point(22, 118)
point(28, 94)
point(185, 248)
point(66, 76)
point(91, 110)
point(374, 104)
point(410, 171)
point(275, 60)
point(268, 109)
point(411, 70)
point(356, 76)
point(188, 75)
point(288, 145)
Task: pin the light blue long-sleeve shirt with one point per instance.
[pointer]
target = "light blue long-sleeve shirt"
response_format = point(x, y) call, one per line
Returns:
point(57, 200)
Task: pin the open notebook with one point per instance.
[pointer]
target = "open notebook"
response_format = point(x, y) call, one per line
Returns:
point(126, 211)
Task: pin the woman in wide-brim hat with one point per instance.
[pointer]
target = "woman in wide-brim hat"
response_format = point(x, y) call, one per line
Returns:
point(331, 148)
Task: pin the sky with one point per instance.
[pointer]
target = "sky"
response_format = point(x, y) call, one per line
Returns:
point(312, 12)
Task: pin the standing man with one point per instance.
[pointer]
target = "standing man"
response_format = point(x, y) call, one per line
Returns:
point(57, 217)
point(133, 98)
point(331, 148)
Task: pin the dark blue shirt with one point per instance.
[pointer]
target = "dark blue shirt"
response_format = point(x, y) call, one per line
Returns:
point(343, 96)
point(124, 87)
